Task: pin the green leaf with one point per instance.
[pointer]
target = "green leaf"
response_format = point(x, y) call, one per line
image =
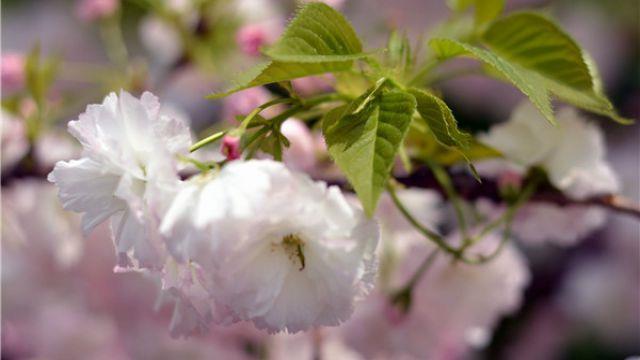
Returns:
point(460, 5)
point(440, 120)
point(364, 137)
point(529, 83)
point(318, 33)
point(537, 44)
point(487, 10)
point(399, 54)
point(540, 59)
point(275, 71)
point(317, 41)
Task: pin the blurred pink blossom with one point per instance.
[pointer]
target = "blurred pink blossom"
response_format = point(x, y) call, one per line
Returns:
point(92, 10)
point(13, 72)
point(453, 308)
point(243, 102)
point(251, 37)
point(14, 141)
point(537, 222)
point(311, 85)
point(301, 153)
point(53, 146)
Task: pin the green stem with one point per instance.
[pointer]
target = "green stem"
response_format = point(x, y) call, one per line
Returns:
point(208, 140)
point(444, 180)
point(418, 78)
point(507, 218)
point(429, 234)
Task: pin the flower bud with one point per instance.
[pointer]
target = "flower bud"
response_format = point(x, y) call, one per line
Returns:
point(231, 147)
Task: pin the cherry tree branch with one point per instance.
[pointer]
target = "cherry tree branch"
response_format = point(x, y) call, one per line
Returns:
point(470, 189)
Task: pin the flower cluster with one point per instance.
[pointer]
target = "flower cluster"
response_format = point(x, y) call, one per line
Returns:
point(254, 241)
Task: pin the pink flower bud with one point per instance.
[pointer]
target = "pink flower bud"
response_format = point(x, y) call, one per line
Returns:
point(231, 147)
point(13, 73)
point(301, 153)
point(92, 10)
point(250, 38)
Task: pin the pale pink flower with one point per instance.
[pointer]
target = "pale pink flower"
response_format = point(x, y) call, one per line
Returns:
point(13, 72)
point(572, 153)
point(252, 37)
point(92, 10)
point(600, 291)
point(275, 248)
point(53, 146)
point(14, 141)
point(312, 85)
point(537, 222)
point(33, 217)
point(301, 153)
point(318, 343)
point(127, 168)
point(454, 306)
point(243, 102)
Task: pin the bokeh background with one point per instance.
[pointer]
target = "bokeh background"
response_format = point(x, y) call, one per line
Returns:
point(59, 294)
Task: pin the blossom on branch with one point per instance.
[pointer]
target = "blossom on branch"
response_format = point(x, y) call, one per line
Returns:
point(129, 147)
point(572, 152)
point(274, 247)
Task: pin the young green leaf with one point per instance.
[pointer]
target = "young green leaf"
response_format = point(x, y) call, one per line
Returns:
point(487, 10)
point(537, 44)
point(528, 82)
point(540, 59)
point(440, 120)
point(364, 143)
point(318, 40)
point(318, 33)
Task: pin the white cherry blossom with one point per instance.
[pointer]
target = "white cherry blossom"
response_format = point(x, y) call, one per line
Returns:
point(129, 147)
point(275, 248)
point(572, 153)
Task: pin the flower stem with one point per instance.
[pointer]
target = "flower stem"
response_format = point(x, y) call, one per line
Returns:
point(444, 180)
point(429, 234)
point(208, 140)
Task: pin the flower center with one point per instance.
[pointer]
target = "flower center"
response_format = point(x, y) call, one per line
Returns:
point(293, 247)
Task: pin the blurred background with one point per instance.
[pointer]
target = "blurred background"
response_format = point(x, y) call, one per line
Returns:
point(59, 294)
